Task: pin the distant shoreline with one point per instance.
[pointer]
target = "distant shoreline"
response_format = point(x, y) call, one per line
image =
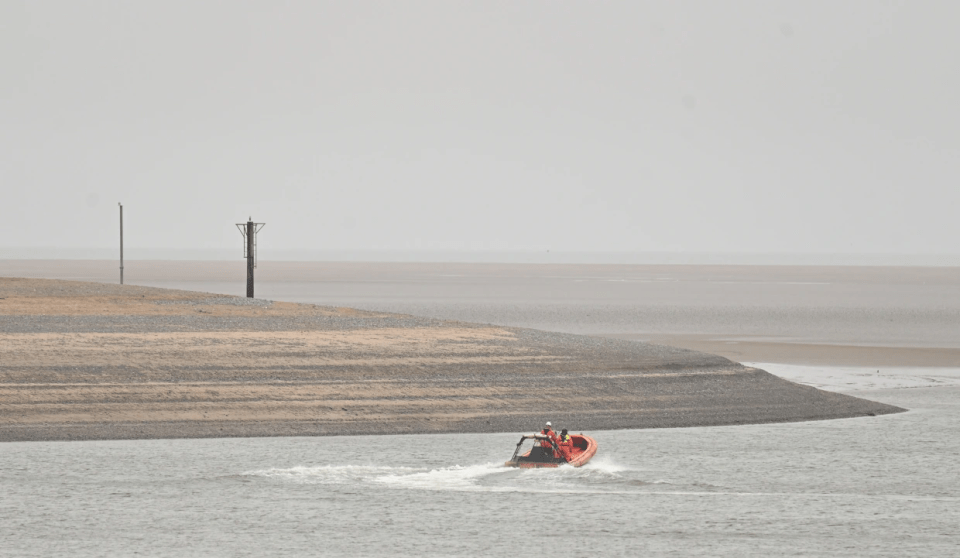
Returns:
point(544, 256)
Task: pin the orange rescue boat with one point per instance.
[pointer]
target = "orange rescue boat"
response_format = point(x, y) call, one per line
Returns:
point(546, 453)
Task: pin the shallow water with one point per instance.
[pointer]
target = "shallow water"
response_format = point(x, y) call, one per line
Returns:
point(882, 486)
point(853, 379)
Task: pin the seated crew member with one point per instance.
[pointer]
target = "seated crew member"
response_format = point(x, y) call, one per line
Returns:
point(565, 443)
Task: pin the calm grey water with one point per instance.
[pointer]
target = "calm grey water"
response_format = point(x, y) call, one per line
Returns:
point(882, 486)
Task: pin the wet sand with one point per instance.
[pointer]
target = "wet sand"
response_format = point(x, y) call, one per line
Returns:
point(98, 361)
point(741, 349)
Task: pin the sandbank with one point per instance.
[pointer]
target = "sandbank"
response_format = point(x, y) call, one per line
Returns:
point(82, 361)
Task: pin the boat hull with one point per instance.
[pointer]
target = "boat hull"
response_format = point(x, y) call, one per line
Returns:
point(584, 448)
point(587, 452)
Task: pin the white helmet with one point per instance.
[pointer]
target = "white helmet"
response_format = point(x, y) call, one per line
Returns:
point(548, 423)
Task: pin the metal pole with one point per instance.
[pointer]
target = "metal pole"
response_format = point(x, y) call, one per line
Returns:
point(121, 242)
point(250, 256)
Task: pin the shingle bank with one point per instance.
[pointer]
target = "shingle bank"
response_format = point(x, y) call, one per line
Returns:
point(98, 361)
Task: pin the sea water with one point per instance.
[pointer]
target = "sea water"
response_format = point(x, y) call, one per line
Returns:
point(877, 486)
point(870, 486)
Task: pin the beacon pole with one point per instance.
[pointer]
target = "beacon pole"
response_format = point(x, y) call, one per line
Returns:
point(251, 262)
point(249, 231)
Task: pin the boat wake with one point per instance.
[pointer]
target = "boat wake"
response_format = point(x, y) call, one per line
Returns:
point(470, 477)
point(328, 474)
point(597, 476)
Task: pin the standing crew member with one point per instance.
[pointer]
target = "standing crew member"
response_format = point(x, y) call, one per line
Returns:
point(548, 430)
point(550, 441)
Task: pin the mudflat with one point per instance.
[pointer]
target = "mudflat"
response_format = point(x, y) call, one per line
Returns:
point(85, 360)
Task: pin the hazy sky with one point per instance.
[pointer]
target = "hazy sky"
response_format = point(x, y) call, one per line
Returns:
point(702, 126)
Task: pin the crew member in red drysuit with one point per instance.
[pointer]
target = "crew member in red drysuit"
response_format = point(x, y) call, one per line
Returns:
point(551, 435)
point(565, 443)
point(548, 430)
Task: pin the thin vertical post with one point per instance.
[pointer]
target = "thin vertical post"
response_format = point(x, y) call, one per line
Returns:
point(251, 249)
point(121, 242)
point(249, 232)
